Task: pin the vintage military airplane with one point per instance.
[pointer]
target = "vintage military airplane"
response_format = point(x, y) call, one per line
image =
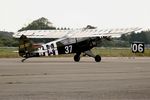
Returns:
point(68, 41)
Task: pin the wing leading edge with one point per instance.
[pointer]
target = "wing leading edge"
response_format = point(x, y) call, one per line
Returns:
point(76, 33)
point(42, 33)
point(102, 32)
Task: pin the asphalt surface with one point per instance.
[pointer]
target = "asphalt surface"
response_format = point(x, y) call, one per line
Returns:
point(63, 79)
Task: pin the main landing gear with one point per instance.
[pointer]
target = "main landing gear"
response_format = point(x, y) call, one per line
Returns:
point(90, 54)
point(97, 58)
point(77, 57)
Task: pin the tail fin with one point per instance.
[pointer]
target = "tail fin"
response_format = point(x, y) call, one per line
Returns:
point(25, 47)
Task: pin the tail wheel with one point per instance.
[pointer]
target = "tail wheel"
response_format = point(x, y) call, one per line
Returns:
point(27, 55)
point(97, 58)
point(76, 58)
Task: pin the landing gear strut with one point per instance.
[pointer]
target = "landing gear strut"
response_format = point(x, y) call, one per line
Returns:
point(23, 59)
point(90, 54)
point(27, 55)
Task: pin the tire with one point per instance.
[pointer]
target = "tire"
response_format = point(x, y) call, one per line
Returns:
point(76, 58)
point(97, 58)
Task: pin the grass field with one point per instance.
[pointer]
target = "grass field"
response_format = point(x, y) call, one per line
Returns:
point(8, 52)
point(104, 52)
point(119, 52)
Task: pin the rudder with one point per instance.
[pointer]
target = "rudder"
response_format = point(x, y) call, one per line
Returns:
point(25, 47)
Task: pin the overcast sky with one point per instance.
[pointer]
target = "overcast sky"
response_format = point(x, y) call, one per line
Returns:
point(14, 14)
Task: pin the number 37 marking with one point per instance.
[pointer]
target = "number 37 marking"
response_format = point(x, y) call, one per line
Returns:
point(68, 49)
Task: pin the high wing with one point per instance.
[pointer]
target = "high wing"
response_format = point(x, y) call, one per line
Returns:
point(42, 33)
point(76, 33)
point(101, 32)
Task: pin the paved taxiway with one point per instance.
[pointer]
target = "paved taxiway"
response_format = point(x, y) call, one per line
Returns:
point(63, 79)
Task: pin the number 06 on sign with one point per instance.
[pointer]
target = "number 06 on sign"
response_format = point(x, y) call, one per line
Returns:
point(137, 47)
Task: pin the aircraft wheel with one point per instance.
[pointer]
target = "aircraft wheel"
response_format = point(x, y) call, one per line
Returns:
point(76, 58)
point(23, 60)
point(97, 58)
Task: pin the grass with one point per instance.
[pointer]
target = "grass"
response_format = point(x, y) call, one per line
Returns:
point(119, 52)
point(105, 52)
point(8, 52)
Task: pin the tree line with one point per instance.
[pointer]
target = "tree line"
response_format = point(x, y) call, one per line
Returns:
point(126, 40)
point(6, 39)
